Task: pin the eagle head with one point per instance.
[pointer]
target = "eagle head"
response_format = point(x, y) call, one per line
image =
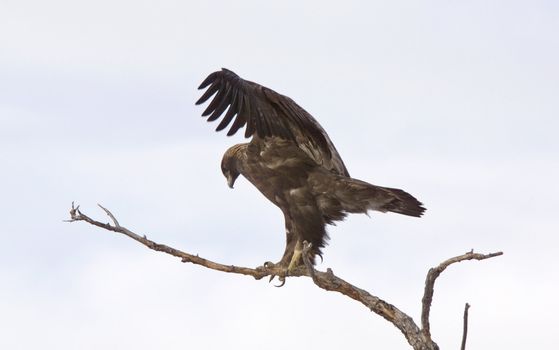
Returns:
point(229, 166)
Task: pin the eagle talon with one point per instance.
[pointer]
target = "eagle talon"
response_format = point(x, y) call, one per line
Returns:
point(282, 282)
point(272, 278)
point(283, 273)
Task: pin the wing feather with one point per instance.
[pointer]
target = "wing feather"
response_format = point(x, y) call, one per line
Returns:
point(209, 80)
point(212, 90)
point(221, 104)
point(267, 113)
point(220, 97)
point(243, 115)
point(231, 112)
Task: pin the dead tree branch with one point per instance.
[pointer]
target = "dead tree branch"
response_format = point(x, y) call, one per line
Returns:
point(418, 338)
point(433, 274)
point(465, 332)
point(328, 281)
point(257, 273)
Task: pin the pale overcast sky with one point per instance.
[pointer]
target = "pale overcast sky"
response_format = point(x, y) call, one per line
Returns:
point(455, 102)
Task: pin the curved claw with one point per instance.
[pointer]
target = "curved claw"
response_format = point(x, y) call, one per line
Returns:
point(282, 281)
point(281, 276)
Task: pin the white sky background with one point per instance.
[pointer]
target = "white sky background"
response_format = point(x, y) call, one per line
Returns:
point(455, 102)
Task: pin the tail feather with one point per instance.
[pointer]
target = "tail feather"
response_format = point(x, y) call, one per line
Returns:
point(358, 196)
point(403, 203)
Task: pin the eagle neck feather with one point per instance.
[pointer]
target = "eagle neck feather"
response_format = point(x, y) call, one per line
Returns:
point(236, 156)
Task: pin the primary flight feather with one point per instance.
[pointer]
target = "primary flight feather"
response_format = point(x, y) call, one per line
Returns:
point(292, 161)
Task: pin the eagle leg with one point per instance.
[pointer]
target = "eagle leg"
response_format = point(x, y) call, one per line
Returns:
point(296, 257)
point(285, 262)
point(290, 260)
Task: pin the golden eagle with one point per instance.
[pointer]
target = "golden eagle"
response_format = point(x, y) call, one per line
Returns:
point(292, 161)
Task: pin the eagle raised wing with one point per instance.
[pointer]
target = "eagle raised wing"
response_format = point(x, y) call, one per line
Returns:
point(267, 113)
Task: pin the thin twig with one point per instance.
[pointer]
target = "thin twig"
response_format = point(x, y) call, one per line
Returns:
point(115, 221)
point(465, 332)
point(430, 284)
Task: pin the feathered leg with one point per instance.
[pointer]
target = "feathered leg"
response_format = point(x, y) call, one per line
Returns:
point(286, 259)
point(296, 256)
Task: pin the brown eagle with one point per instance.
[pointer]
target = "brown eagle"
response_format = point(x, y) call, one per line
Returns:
point(293, 162)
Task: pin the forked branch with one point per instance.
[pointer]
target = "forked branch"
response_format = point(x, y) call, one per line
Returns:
point(432, 277)
point(418, 338)
point(328, 281)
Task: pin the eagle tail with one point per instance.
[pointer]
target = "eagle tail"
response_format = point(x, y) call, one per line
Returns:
point(403, 203)
point(358, 196)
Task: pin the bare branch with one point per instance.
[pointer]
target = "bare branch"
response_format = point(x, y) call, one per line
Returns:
point(465, 332)
point(430, 284)
point(328, 281)
point(257, 273)
point(115, 221)
point(419, 339)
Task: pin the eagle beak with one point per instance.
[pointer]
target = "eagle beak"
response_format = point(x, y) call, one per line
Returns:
point(230, 181)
